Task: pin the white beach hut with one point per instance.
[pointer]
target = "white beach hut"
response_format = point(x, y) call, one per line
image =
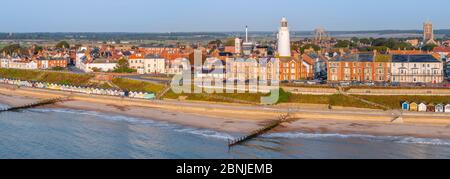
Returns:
point(422, 107)
point(439, 108)
point(447, 108)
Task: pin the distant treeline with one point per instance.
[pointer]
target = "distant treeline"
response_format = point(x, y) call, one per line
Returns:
point(111, 36)
point(184, 35)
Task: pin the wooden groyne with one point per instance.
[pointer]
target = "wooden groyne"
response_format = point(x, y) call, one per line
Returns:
point(261, 131)
point(35, 104)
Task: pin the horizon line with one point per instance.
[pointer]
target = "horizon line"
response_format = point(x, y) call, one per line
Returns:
point(167, 32)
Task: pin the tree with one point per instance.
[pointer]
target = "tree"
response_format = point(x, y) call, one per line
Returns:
point(63, 44)
point(37, 49)
point(344, 44)
point(215, 42)
point(365, 41)
point(308, 46)
point(429, 47)
point(123, 67)
point(230, 42)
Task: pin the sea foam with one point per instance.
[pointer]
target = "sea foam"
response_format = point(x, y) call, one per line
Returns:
point(396, 139)
point(140, 121)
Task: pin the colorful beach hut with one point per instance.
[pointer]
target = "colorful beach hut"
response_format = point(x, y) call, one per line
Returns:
point(422, 107)
point(439, 108)
point(405, 106)
point(413, 106)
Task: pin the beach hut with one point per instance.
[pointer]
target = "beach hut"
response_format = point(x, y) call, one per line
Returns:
point(422, 107)
point(439, 108)
point(405, 106)
point(447, 108)
point(149, 96)
point(413, 106)
point(431, 107)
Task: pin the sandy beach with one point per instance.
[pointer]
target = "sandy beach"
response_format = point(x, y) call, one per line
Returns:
point(245, 118)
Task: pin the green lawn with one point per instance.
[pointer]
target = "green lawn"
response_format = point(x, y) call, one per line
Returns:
point(47, 76)
point(134, 85)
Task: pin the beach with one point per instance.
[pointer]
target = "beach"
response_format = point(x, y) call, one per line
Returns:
point(239, 118)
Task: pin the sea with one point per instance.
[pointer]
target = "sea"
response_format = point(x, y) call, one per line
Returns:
point(76, 134)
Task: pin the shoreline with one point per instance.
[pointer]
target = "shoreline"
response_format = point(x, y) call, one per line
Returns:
point(239, 118)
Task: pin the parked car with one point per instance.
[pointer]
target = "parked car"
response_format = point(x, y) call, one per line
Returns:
point(447, 85)
point(421, 84)
point(298, 82)
point(369, 84)
point(395, 84)
point(344, 83)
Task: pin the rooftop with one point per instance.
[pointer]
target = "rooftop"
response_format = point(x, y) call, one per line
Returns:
point(414, 59)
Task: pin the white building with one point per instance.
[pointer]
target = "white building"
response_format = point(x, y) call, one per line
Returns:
point(4, 63)
point(416, 69)
point(18, 63)
point(155, 65)
point(101, 66)
point(284, 42)
point(149, 64)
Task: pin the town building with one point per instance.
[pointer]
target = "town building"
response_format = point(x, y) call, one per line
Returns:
point(99, 65)
point(149, 64)
point(416, 69)
point(413, 42)
point(49, 63)
point(359, 67)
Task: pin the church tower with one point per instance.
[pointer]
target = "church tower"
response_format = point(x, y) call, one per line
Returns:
point(428, 33)
point(284, 42)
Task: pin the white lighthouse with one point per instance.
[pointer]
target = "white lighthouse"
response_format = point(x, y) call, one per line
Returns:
point(284, 42)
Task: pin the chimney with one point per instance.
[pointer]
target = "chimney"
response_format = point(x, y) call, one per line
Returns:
point(246, 33)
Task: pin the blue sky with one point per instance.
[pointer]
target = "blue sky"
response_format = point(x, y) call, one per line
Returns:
point(217, 15)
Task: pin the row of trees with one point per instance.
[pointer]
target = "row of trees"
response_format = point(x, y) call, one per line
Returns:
point(380, 44)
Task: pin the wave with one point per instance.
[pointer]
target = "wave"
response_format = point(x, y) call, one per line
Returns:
point(396, 139)
point(141, 121)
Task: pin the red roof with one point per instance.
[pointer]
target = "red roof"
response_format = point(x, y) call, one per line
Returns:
point(442, 49)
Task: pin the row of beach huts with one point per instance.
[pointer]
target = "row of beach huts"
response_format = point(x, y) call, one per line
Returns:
point(426, 107)
point(79, 89)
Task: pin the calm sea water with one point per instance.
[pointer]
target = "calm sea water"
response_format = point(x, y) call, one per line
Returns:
point(65, 133)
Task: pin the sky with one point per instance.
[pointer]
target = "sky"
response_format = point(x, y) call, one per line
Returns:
point(218, 15)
